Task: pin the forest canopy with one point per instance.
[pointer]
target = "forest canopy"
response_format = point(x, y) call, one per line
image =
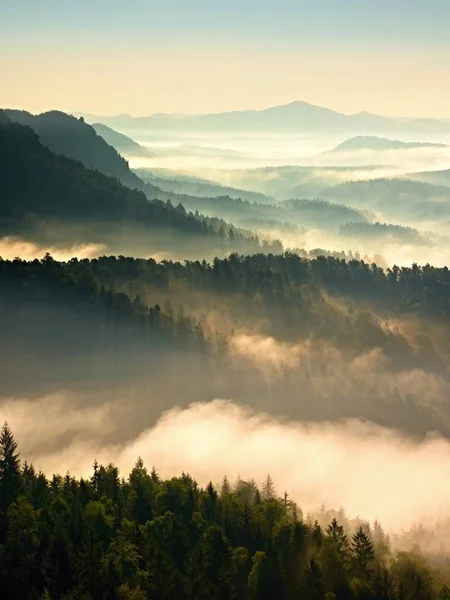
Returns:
point(143, 536)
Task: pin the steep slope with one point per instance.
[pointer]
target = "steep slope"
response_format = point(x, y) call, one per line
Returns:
point(54, 198)
point(122, 143)
point(73, 138)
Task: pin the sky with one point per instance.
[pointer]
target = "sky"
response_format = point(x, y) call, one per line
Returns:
point(143, 56)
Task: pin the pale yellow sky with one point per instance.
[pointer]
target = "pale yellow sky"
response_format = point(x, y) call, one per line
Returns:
point(142, 78)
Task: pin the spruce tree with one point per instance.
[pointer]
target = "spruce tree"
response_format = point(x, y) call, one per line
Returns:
point(363, 550)
point(10, 476)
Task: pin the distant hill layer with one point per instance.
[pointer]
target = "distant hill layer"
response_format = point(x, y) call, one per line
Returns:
point(122, 143)
point(370, 142)
point(439, 178)
point(193, 186)
point(296, 116)
point(395, 198)
point(46, 196)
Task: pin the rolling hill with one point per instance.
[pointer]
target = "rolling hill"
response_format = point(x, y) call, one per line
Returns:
point(122, 143)
point(54, 199)
point(370, 142)
point(294, 117)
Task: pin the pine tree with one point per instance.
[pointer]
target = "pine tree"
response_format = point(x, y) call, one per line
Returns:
point(225, 488)
point(10, 476)
point(154, 476)
point(335, 531)
point(363, 550)
point(314, 588)
point(260, 579)
point(95, 478)
point(268, 489)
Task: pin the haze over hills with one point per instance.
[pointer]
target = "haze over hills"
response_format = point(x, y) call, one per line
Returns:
point(51, 199)
point(194, 186)
point(294, 117)
point(65, 135)
point(396, 198)
point(122, 143)
point(225, 333)
point(439, 177)
point(368, 142)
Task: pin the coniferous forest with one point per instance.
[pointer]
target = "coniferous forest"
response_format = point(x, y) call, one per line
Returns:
point(224, 309)
point(145, 537)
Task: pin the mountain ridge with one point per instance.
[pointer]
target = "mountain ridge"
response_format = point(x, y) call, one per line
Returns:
point(294, 116)
point(371, 142)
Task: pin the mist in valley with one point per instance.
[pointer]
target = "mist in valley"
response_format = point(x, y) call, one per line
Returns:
point(245, 312)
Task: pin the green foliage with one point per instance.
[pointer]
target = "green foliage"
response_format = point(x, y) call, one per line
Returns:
point(10, 480)
point(186, 542)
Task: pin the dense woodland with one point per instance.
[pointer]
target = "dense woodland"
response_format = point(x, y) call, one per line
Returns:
point(395, 198)
point(53, 199)
point(299, 336)
point(143, 537)
point(115, 319)
point(303, 213)
point(384, 232)
point(418, 289)
point(202, 188)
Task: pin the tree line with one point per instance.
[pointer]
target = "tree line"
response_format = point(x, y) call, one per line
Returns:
point(42, 193)
point(144, 537)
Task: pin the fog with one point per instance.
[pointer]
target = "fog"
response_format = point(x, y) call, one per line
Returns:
point(374, 472)
point(197, 155)
point(12, 247)
point(343, 402)
point(385, 252)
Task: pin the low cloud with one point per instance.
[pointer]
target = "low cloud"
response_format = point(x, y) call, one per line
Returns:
point(372, 471)
point(11, 247)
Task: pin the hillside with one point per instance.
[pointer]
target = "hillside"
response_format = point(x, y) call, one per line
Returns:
point(439, 178)
point(140, 535)
point(54, 199)
point(369, 142)
point(193, 186)
point(379, 232)
point(298, 213)
point(394, 198)
point(122, 143)
point(63, 329)
point(124, 320)
point(65, 135)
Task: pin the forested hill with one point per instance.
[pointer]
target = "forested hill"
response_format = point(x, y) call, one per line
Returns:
point(63, 329)
point(39, 187)
point(144, 537)
point(65, 135)
point(122, 143)
point(283, 278)
point(68, 136)
point(300, 213)
point(180, 333)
